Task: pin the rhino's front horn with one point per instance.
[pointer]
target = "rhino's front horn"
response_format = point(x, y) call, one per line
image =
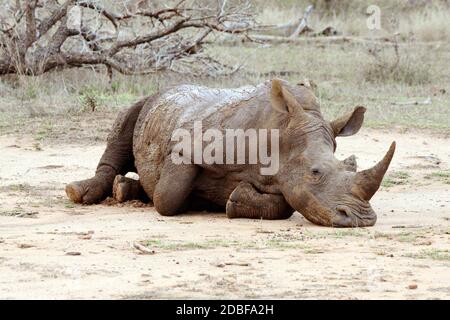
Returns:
point(368, 181)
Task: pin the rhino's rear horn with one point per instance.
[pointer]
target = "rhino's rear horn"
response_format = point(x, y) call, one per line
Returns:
point(368, 181)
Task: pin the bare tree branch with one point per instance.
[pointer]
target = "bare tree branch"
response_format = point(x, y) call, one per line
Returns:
point(97, 7)
point(72, 33)
point(30, 37)
point(303, 22)
point(157, 34)
point(55, 16)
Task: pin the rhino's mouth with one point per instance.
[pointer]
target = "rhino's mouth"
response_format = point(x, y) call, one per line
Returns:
point(345, 216)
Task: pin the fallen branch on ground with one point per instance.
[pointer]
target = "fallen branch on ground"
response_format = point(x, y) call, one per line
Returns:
point(274, 40)
point(303, 22)
point(294, 29)
point(414, 102)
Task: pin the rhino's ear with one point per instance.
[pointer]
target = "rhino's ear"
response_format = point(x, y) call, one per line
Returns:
point(281, 99)
point(348, 124)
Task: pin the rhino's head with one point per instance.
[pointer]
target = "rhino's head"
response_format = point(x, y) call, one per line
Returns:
point(325, 190)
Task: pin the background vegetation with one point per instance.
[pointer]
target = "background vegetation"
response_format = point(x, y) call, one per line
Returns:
point(404, 81)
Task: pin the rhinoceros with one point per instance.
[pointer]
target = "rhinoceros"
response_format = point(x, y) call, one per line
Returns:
point(309, 180)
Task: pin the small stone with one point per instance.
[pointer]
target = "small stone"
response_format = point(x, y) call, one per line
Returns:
point(24, 246)
point(73, 253)
point(412, 286)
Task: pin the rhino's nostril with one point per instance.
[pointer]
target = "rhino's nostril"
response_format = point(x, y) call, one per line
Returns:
point(344, 210)
point(347, 217)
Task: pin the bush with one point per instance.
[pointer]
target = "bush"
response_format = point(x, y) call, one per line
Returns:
point(395, 65)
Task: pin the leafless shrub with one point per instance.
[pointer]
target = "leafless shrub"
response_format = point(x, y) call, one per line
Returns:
point(89, 100)
point(127, 36)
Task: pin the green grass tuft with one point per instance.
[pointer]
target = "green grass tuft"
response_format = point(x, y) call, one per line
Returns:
point(433, 254)
point(395, 178)
point(443, 175)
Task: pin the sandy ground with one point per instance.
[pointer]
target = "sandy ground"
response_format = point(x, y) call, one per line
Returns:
point(51, 248)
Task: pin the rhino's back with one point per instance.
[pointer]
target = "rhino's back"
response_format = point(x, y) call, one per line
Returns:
point(189, 103)
point(178, 108)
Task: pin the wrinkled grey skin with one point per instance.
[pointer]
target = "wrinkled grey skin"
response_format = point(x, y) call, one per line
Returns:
point(310, 180)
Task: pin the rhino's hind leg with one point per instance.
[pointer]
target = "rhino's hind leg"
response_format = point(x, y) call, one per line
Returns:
point(247, 202)
point(117, 159)
point(125, 189)
point(91, 190)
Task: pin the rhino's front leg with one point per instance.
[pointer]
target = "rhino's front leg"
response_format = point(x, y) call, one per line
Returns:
point(173, 188)
point(247, 202)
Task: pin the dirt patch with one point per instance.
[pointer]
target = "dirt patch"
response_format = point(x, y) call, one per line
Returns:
point(74, 251)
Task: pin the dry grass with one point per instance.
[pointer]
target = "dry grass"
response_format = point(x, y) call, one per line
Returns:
point(429, 24)
point(397, 65)
point(61, 103)
point(420, 20)
point(395, 178)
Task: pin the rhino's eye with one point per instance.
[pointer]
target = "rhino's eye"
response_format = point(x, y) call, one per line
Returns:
point(315, 171)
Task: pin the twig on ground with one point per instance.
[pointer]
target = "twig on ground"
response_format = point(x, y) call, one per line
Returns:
point(142, 249)
point(413, 102)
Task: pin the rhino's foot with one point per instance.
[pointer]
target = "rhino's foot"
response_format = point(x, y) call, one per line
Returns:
point(88, 191)
point(125, 189)
point(246, 202)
